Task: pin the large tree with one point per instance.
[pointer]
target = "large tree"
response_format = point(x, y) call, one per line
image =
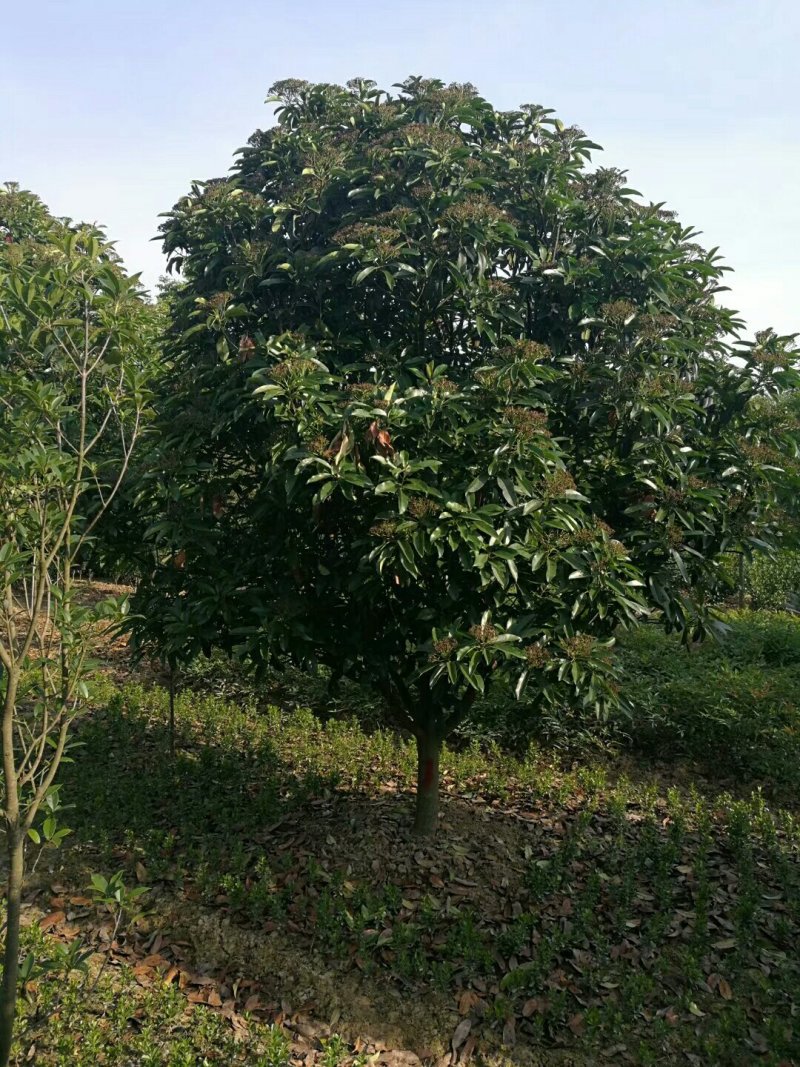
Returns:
point(449, 405)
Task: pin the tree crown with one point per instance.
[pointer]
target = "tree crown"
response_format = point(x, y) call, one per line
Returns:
point(448, 402)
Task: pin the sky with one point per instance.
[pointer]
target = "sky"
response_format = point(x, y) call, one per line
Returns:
point(110, 108)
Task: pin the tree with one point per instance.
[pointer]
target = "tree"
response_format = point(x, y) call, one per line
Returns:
point(71, 331)
point(118, 549)
point(448, 408)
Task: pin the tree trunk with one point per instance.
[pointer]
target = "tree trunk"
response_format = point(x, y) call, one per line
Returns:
point(8, 995)
point(741, 580)
point(172, 713)
point(429, 748)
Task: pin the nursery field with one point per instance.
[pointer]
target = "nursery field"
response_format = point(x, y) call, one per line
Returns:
point(625, 893)
point(425, 730)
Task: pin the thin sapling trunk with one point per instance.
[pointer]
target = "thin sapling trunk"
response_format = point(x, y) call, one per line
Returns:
point(429, 750)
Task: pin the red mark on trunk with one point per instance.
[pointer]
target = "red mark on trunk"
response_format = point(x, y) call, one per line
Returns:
point(428, 773)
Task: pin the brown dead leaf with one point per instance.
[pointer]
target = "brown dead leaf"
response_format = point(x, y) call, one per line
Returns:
point(576, 1024)
point(399, 1058)
point(252, 1003)
point(214, 999)
point(725, 990)
point(171, 975)
point(532, 1006)
point(51, 920)
point(154, 960)
point(467, 1001)
point(468, 1049)
point(238, 1024)
point(143, 975)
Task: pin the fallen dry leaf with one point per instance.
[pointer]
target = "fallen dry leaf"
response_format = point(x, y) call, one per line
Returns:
point(510, 1032)
point(468, 1049)
point(399, 1058)
point(51, 920)
point(576, 1024)
point(155, 959)
point(460, 1034)
point(467, 1001)
point(533, 1005)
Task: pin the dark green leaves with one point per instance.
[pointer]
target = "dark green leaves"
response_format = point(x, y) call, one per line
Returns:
point(489, 388)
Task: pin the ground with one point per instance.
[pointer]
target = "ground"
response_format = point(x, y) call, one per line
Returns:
point(568, 912)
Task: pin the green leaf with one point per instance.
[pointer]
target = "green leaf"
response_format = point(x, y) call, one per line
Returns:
point(363, 274)
point(507, 489)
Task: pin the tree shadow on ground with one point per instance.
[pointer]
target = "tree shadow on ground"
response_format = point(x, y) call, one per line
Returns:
point(554, 919)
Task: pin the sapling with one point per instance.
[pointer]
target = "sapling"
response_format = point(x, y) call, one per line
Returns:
point(72, 330)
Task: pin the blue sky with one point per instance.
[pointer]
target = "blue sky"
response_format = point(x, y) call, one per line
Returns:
point(109, 109)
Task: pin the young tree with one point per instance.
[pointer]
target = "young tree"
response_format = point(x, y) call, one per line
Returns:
point(72, 330)
point(448, 407)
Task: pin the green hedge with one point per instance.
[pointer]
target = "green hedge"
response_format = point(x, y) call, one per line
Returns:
point(773, 583)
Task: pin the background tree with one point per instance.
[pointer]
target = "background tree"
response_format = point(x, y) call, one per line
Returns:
point(72, 328)
point(447, 407)
point(118, 549)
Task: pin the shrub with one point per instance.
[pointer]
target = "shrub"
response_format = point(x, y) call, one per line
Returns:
point(773, 582)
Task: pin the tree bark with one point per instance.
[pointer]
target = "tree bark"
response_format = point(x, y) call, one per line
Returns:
point(172, 713)
point(429, 749)
point(15, 851)
point(8, 994)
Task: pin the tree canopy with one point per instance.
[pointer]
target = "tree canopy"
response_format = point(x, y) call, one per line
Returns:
point(449, 404)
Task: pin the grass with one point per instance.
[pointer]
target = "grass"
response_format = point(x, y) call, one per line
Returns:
point(726, 711)
point(567, 910)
